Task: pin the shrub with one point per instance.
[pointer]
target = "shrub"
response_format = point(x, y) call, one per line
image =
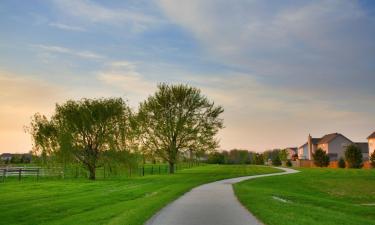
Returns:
point(341, 163)
point(321, 158)
point(288, 163)
point(372, 159)
point(276, 161)
point(353, 156)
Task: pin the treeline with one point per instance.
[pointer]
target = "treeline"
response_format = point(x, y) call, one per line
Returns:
point(235, 156)
point(176, 122)
point(238, 156)
point(16, 158)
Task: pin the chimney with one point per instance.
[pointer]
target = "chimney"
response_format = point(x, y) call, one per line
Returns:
point(309, 146)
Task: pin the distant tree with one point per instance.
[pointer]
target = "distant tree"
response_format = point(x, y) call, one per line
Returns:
point(259, 159)
point(237, 156)
point(372, 159)
point(16, 158)
point(178, 118)
point(321, 158)
point(341, 163)
point(353, 156)
point(216, 158)
point(276, 161)
point(283, 154)
point(83, 131)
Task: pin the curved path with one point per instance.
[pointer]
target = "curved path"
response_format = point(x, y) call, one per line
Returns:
point(210, 204)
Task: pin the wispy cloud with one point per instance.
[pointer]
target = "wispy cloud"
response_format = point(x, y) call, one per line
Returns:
point(66, 27)
point(63, 50)
point(97, 13)
point(124, 75)
point(306, 44)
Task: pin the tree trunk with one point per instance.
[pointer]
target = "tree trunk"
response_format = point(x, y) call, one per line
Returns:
point(171, 167)
point(92, 173)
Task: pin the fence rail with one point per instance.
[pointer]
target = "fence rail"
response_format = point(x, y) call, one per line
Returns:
point(19, 171)
point(102, 172)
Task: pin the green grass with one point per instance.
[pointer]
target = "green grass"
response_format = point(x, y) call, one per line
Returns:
point(112, 201)
point(315, 196)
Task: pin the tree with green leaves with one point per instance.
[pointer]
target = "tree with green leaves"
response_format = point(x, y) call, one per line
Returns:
point(83, 131)
point(276, 161)
point(321, 158)
point(259, 159)
point(353, 156)
point(283, 155)
point(176, 119)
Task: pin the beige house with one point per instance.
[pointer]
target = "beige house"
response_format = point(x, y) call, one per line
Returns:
point(333, 144)
point(371, 143)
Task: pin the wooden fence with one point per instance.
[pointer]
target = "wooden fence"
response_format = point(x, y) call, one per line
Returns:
point(332, 164)
point(19, 172)
point(103, 172)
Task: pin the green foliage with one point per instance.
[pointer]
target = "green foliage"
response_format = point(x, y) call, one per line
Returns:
point(276, 161)
point(353, 156)
point(259, 159)
point(283, 155)
point(176, 119)
point(234, 156)
point(372, 159)
point(83, 131)
point(341, 163)
point(216, 158)
point(321, 158)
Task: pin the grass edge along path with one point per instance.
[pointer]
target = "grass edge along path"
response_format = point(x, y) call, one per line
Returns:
point(116, 201)
point(313, 196)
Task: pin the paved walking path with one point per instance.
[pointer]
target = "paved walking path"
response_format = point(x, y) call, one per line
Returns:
point(210, 204)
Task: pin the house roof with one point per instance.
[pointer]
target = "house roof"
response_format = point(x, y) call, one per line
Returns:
point(293, 149)
point(371, 135)
point(330, 137)
point(302, 145)
point(363, 146)
point(315, 140)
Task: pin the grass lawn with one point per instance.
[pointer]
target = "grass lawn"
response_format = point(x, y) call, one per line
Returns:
point(127, 201)
point(314, 196)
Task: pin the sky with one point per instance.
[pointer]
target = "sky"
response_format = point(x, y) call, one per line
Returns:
point(281, 69)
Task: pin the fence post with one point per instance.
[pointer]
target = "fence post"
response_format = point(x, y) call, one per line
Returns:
point(19, 174)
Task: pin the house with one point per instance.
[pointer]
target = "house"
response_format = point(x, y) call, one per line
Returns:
point(291, 152)
point(371, 143)
point(6, 157)
point(333, 144)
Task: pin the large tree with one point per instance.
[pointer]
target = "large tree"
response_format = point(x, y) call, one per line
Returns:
point(83, 130)
point(178, 118)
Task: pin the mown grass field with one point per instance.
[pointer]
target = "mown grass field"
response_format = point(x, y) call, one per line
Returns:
point(129, 201)
point(314, 196)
